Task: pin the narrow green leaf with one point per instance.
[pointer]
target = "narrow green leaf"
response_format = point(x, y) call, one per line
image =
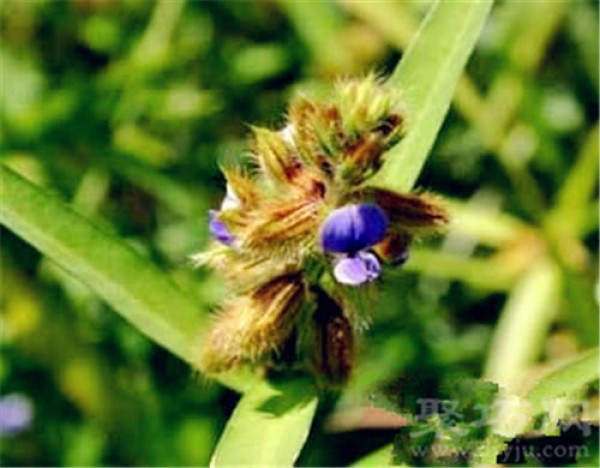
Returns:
point(130, 284)
point(578, 188)
point(516, 345)
point(270, 424)
point(523, 325)
point(567, 379)
point(427, 75)
point(134, 287)
point(578, 288)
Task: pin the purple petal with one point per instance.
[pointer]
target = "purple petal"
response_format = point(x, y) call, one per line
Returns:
point(353, 228)
point(357, 270)
point(218, 229)
point(16, 414)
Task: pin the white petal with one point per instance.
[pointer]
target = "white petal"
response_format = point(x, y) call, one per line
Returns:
point(287, 133)
point(231, 200)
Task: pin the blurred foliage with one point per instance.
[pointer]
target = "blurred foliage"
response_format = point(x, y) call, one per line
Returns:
point(126, 108)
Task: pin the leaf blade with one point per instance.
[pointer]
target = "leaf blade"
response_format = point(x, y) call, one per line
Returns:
point(427, 75)
point(130, 284)
point(283, 411)
point(566, 379)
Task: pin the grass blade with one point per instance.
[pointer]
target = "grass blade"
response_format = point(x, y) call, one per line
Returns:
point(130, 284)
point(567, 379)
point(427, 75)
point(269, 426)
point(523, 324)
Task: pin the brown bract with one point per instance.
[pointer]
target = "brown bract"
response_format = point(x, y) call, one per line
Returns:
point(253, 326)
point(334, 340)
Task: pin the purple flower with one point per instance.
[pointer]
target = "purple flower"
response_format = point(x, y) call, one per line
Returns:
point(353, 228)
point(16, 414)
point(218, 229)
point(358, 269)
point(350, 231)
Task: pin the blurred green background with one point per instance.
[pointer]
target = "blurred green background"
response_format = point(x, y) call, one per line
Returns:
point(126, 108)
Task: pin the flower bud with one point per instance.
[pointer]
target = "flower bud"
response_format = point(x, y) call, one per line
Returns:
point(242, 187)
point(252, 326)
point(282, 224)
point(334, 346)
point(275, 156)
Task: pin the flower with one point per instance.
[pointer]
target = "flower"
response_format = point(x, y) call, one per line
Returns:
point(300, 200)
point(16, 414)
point(352, 228)
point(218, 229)
point(358, 269)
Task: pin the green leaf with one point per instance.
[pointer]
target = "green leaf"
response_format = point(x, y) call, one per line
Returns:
point(270, 424)
point(583, 312)
point(128, 282)
point(427, 75)
point(567, 379)
point(523, 325)
point(134, 287)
